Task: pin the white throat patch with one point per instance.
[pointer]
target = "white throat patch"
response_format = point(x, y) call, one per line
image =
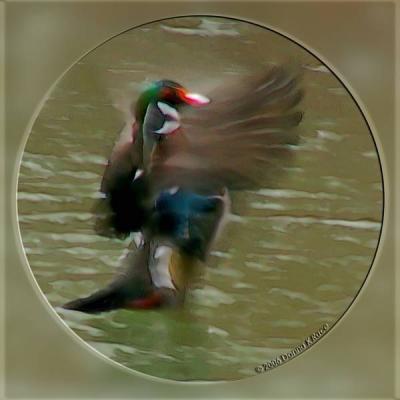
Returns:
point(172, 121)
point(168, 111)
point(168, 127)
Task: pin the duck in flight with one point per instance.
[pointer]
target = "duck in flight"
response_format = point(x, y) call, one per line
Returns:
point(170, 181)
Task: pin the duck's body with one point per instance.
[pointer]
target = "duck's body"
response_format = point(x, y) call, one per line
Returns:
point(166, 180)
point(158, 272)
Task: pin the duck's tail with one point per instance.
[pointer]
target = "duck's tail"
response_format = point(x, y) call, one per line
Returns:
point(106, 299)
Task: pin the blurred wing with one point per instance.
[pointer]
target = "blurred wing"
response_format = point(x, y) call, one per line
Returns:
point(240, 139)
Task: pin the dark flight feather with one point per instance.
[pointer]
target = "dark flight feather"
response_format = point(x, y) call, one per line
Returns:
point(243, 136)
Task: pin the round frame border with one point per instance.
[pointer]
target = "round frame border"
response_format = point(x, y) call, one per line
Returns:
point(34, 116)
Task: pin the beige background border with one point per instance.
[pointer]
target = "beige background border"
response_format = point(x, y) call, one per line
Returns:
point(2, 205)
point(43, 360)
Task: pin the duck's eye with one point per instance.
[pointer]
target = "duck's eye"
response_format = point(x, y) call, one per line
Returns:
point(167, 93)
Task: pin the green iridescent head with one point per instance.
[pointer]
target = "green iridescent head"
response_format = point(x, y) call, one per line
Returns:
point(169, 92)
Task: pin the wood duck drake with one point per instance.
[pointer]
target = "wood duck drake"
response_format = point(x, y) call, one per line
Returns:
point(170, 180)
point(127, 201)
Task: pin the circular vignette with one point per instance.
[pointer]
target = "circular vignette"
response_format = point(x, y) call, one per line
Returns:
point(273, 31)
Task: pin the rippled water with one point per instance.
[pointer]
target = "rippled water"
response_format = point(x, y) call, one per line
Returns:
point(293, 255)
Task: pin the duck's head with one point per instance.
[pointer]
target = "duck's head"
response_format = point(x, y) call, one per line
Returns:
point(167, 92)
point(157, 114)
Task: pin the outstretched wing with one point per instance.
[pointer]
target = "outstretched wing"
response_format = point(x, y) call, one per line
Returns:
point(243, 136)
